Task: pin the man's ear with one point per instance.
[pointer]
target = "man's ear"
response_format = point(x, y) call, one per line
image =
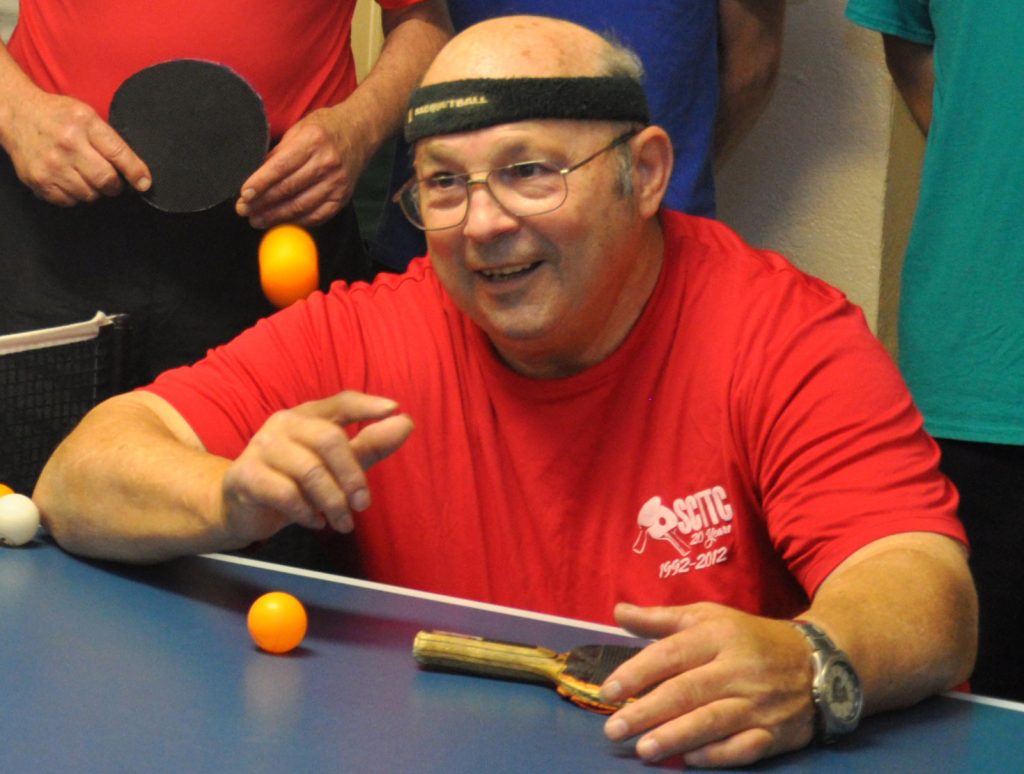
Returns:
point(652, 167)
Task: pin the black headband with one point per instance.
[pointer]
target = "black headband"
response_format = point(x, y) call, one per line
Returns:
point(476, 103)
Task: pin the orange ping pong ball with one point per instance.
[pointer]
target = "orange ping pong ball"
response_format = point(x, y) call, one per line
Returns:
point(289, 268)
point(277, 622)
point(5, 490)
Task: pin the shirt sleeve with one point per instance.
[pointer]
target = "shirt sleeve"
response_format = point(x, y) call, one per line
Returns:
point(281, 362)
point(837, 447)
point(349, 338)
point(909, 19)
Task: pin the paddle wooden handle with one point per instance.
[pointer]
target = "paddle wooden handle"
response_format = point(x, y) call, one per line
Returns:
point(476, 655)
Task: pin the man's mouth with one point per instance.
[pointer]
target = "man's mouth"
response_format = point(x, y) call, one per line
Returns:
point(508, 273)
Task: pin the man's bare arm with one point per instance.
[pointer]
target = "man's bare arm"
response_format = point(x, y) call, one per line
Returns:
point(905, 611)
point(133, 482)
point(912, 67)
point(749, 51)
point(735, 688)
point(61, 149)
point(313, 171)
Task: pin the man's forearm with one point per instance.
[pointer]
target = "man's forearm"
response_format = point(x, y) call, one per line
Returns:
point(750, 48)
point(413, 36)
point(905, 611)
point(913, 71)
point(14, 85)
point(125, 486)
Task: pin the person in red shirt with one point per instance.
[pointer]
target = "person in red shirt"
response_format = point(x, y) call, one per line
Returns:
point(621, 413)
point(74, 240)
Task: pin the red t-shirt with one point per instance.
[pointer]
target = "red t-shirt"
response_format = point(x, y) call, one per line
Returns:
point(297, 55)
point(748, 436)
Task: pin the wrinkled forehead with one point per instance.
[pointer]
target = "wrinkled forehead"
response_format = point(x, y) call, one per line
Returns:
point(452, 107)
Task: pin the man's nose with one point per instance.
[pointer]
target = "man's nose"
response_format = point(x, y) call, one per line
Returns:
point(485, 215)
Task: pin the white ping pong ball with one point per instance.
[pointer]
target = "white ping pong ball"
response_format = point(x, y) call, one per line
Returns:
point(19, 519)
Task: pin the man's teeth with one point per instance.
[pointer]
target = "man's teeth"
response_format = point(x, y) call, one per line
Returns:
point(506, 272)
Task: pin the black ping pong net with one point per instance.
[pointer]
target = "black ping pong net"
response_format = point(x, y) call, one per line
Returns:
point(49, 379)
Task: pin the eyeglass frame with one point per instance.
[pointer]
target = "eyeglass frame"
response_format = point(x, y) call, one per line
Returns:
point(469, 181)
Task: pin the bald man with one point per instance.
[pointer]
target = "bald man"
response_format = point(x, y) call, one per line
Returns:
point(622, 413)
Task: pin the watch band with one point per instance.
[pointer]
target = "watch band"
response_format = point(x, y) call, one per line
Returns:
point(819, 640)
point(835, 689)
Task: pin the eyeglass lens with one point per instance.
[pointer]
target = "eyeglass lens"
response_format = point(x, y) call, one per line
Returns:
point(522, 189)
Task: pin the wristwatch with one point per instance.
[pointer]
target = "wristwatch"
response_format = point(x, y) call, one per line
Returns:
point(835, 690)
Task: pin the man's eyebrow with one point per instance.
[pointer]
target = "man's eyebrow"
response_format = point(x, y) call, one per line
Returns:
point(521, 147)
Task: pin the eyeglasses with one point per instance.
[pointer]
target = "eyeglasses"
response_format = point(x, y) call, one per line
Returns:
point(522, 189)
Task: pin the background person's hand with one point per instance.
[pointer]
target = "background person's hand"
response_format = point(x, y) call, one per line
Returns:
point(66, 154)
point(308, 176)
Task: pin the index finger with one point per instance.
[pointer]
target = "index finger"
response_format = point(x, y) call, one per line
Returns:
point(349, 406)
point(281, 163)
point(345, 461)
point(109, 144)
point(656, 663)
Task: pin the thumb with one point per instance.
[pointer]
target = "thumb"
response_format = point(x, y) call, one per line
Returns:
point(381, 439)
point(653, 622)
point(349, 406)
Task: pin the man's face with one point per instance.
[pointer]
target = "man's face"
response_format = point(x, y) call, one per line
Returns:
point(545, 287)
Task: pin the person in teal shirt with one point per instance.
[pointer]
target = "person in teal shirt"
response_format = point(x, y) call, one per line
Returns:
point(959, 67)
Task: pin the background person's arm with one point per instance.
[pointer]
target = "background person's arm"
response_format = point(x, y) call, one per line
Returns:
point(311, 174)
point(912, 67)
point(61, 149)
point(749, 51)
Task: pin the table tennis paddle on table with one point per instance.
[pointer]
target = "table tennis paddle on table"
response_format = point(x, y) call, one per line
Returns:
point(577, 674)
point(198, 125)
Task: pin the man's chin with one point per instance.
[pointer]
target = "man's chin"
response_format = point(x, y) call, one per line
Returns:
point(518, 332)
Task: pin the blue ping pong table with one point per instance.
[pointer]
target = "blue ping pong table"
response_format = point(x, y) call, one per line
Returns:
point(108, 668)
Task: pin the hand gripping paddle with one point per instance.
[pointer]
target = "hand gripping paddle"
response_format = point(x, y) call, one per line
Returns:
point(577, 674)
point(198, 125)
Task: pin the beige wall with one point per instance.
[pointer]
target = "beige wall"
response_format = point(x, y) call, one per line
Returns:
point(8, 15)
point(366, 35)
point(828, 176)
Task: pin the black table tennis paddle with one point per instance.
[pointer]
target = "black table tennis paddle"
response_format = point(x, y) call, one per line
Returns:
point(198, 125)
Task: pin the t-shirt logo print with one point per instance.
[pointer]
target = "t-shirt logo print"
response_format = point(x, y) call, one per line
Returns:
point(661, 523)
point(698, 519)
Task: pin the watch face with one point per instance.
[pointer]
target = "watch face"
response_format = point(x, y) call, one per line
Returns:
point(841, 693)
